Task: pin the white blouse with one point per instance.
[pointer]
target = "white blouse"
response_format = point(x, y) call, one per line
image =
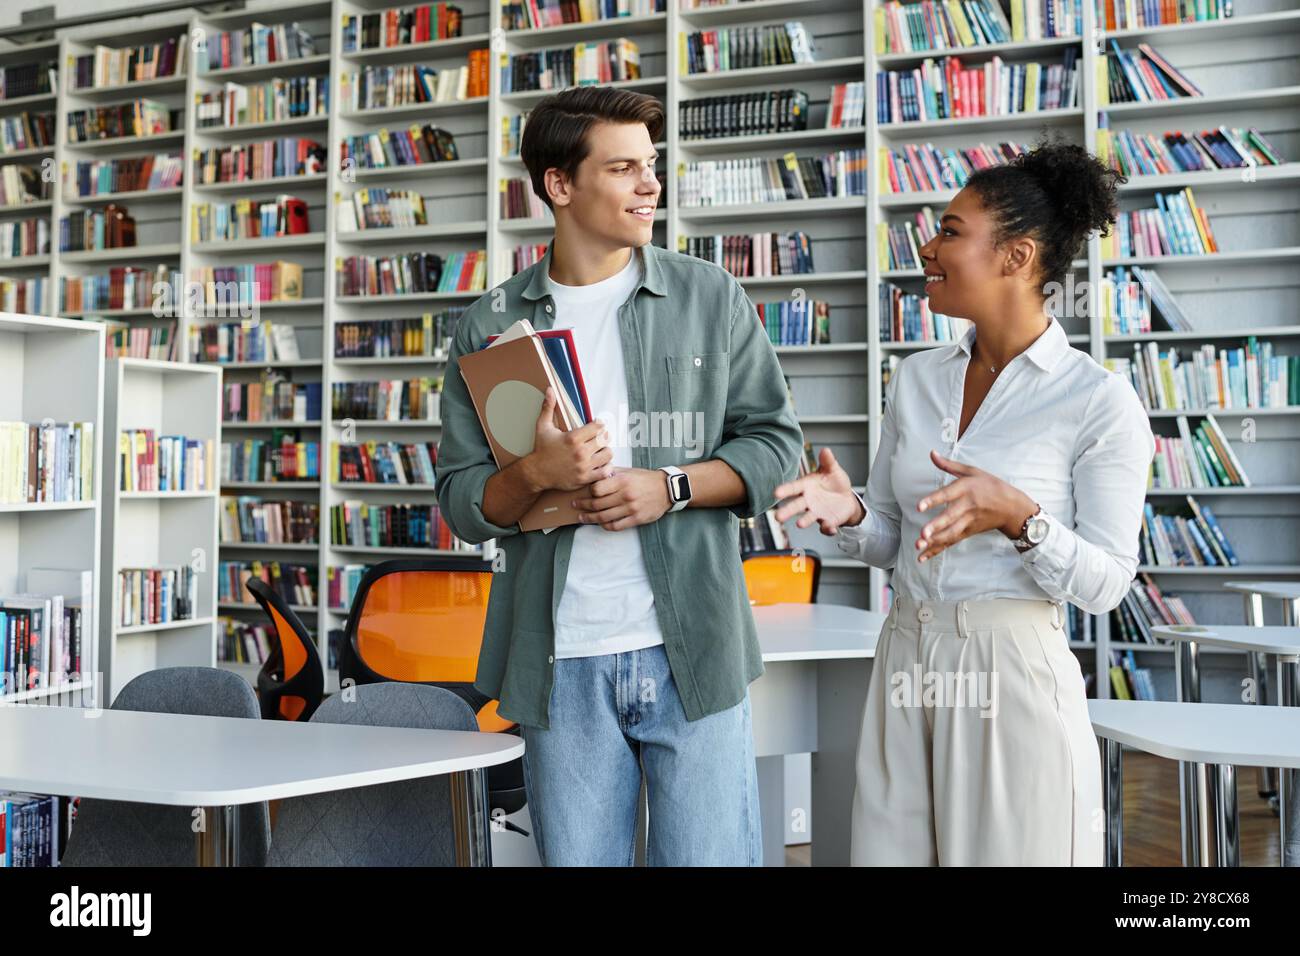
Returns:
point(1061, 428)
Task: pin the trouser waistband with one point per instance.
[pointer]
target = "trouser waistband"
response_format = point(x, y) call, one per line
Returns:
point(966, 616)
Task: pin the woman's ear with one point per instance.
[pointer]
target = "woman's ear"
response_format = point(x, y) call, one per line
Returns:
point(1022, 255)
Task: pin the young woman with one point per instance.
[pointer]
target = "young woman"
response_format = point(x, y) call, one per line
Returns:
point(1009, 479)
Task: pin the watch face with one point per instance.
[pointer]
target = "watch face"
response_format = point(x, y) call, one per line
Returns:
point(1037, 530)
point(681, 486)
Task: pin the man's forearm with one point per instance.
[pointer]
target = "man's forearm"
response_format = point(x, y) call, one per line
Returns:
point(714, 484)
point(509, 493)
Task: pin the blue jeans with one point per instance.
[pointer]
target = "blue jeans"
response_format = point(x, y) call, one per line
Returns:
point(612, 716)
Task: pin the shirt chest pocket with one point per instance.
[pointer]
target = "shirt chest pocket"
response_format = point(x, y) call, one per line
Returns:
point(697, 381)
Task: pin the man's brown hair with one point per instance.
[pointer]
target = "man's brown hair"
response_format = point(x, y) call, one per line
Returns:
point(555, 134)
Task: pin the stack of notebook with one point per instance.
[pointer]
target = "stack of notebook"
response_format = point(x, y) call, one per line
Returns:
point(507, 381)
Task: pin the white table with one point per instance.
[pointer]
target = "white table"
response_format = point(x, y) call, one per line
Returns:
point(810, 700)
point(1193, 781)
point(1254, 593)
point(218, 763)
point(1225, 735)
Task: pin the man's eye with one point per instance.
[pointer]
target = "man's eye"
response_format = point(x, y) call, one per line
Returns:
point(622, 169)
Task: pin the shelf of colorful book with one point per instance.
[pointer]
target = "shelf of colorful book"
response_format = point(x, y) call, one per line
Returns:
point(392, 360)
point(25, 262)
point(844, 67)
point(753, 10)
point(168, 250)
point(1016, 48)
point(416, 51)
point(171, 137)
point(475, 227)
point(134, 195)
point(850, 135)
point(246, 606)
point(448, 167)
point(537, 38)
point(164, 495)
point(1232, 570)
point(270, 363)
point(204, 622)
point(227, 426)
point(273, 182)
point(408, 297)
point(306, 485)
point(305, 240)
point(299, 66)
point(397, 552)
point(1057, 118)
point(271, 545)
point(237, 130)
point(650, 84)
point(408, 111)
point(805, 278)
point(785, 209)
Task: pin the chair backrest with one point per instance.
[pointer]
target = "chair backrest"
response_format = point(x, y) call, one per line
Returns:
point(298, 691)
point(118, 833)
point(407, 823)
point(421, 621)
point(782, 577)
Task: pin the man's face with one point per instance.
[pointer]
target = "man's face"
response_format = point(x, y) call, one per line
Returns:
point(615, 193)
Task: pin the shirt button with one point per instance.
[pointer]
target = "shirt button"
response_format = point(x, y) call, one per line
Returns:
point(697, 361)
point(548, 308)
point(925, 614)
point(550, 659)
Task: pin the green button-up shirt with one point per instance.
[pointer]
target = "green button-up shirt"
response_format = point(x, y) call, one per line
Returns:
point(692, 343)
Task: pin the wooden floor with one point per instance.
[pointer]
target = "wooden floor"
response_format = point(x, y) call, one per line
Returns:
point(1151, 830)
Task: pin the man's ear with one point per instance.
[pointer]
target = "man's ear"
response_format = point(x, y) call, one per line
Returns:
point(559, 186)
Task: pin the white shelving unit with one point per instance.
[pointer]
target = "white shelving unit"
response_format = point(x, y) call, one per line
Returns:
point(1248, 66)
point(53, 370)
point(146, 529)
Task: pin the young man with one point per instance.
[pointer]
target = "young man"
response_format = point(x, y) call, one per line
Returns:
point(625, 643)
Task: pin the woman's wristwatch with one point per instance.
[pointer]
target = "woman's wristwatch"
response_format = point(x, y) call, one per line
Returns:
point(1033, 531)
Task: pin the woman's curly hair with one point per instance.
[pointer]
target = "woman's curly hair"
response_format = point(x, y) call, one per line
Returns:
point(1058, 193)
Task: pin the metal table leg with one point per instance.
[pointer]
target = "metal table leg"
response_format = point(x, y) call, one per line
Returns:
point(1288, 782)
point(217, 839)
point(1193, 791)
point(1113, 800)
point(1266, 777)
point(1227, 827)
point(471, 817)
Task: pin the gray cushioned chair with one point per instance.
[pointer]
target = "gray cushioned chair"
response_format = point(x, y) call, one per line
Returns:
point(119, 833)
point(407, 823)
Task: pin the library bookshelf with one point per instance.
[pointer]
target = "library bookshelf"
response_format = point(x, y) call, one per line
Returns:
point(1248, 66)
point(158, 528)
point(52, 371)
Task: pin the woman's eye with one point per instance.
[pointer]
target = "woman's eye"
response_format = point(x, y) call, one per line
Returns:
point(948, 231)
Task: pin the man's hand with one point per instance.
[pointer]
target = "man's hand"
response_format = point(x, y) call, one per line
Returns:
point(825, 496)
point(977, 501)
point(633, 496)
point(567, 460)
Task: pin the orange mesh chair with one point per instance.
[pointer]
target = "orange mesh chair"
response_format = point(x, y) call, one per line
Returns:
point(291, 684)
point(420, 621)
point(780, 577)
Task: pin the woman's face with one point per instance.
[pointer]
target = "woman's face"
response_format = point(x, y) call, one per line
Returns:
point(961, 263)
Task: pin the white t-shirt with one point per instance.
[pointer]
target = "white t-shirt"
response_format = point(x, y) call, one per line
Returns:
point(607, 606)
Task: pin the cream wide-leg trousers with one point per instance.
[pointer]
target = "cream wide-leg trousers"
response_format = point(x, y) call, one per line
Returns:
point(976, 748)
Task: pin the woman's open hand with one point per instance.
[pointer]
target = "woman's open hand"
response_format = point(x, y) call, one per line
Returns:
point(977, 501)
point(825, 496)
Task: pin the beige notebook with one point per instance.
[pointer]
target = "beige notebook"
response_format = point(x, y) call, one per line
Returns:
point(507, 383)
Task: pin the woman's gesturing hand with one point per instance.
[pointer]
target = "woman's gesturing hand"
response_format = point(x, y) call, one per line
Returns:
point(825, 496)
point(977, 501)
